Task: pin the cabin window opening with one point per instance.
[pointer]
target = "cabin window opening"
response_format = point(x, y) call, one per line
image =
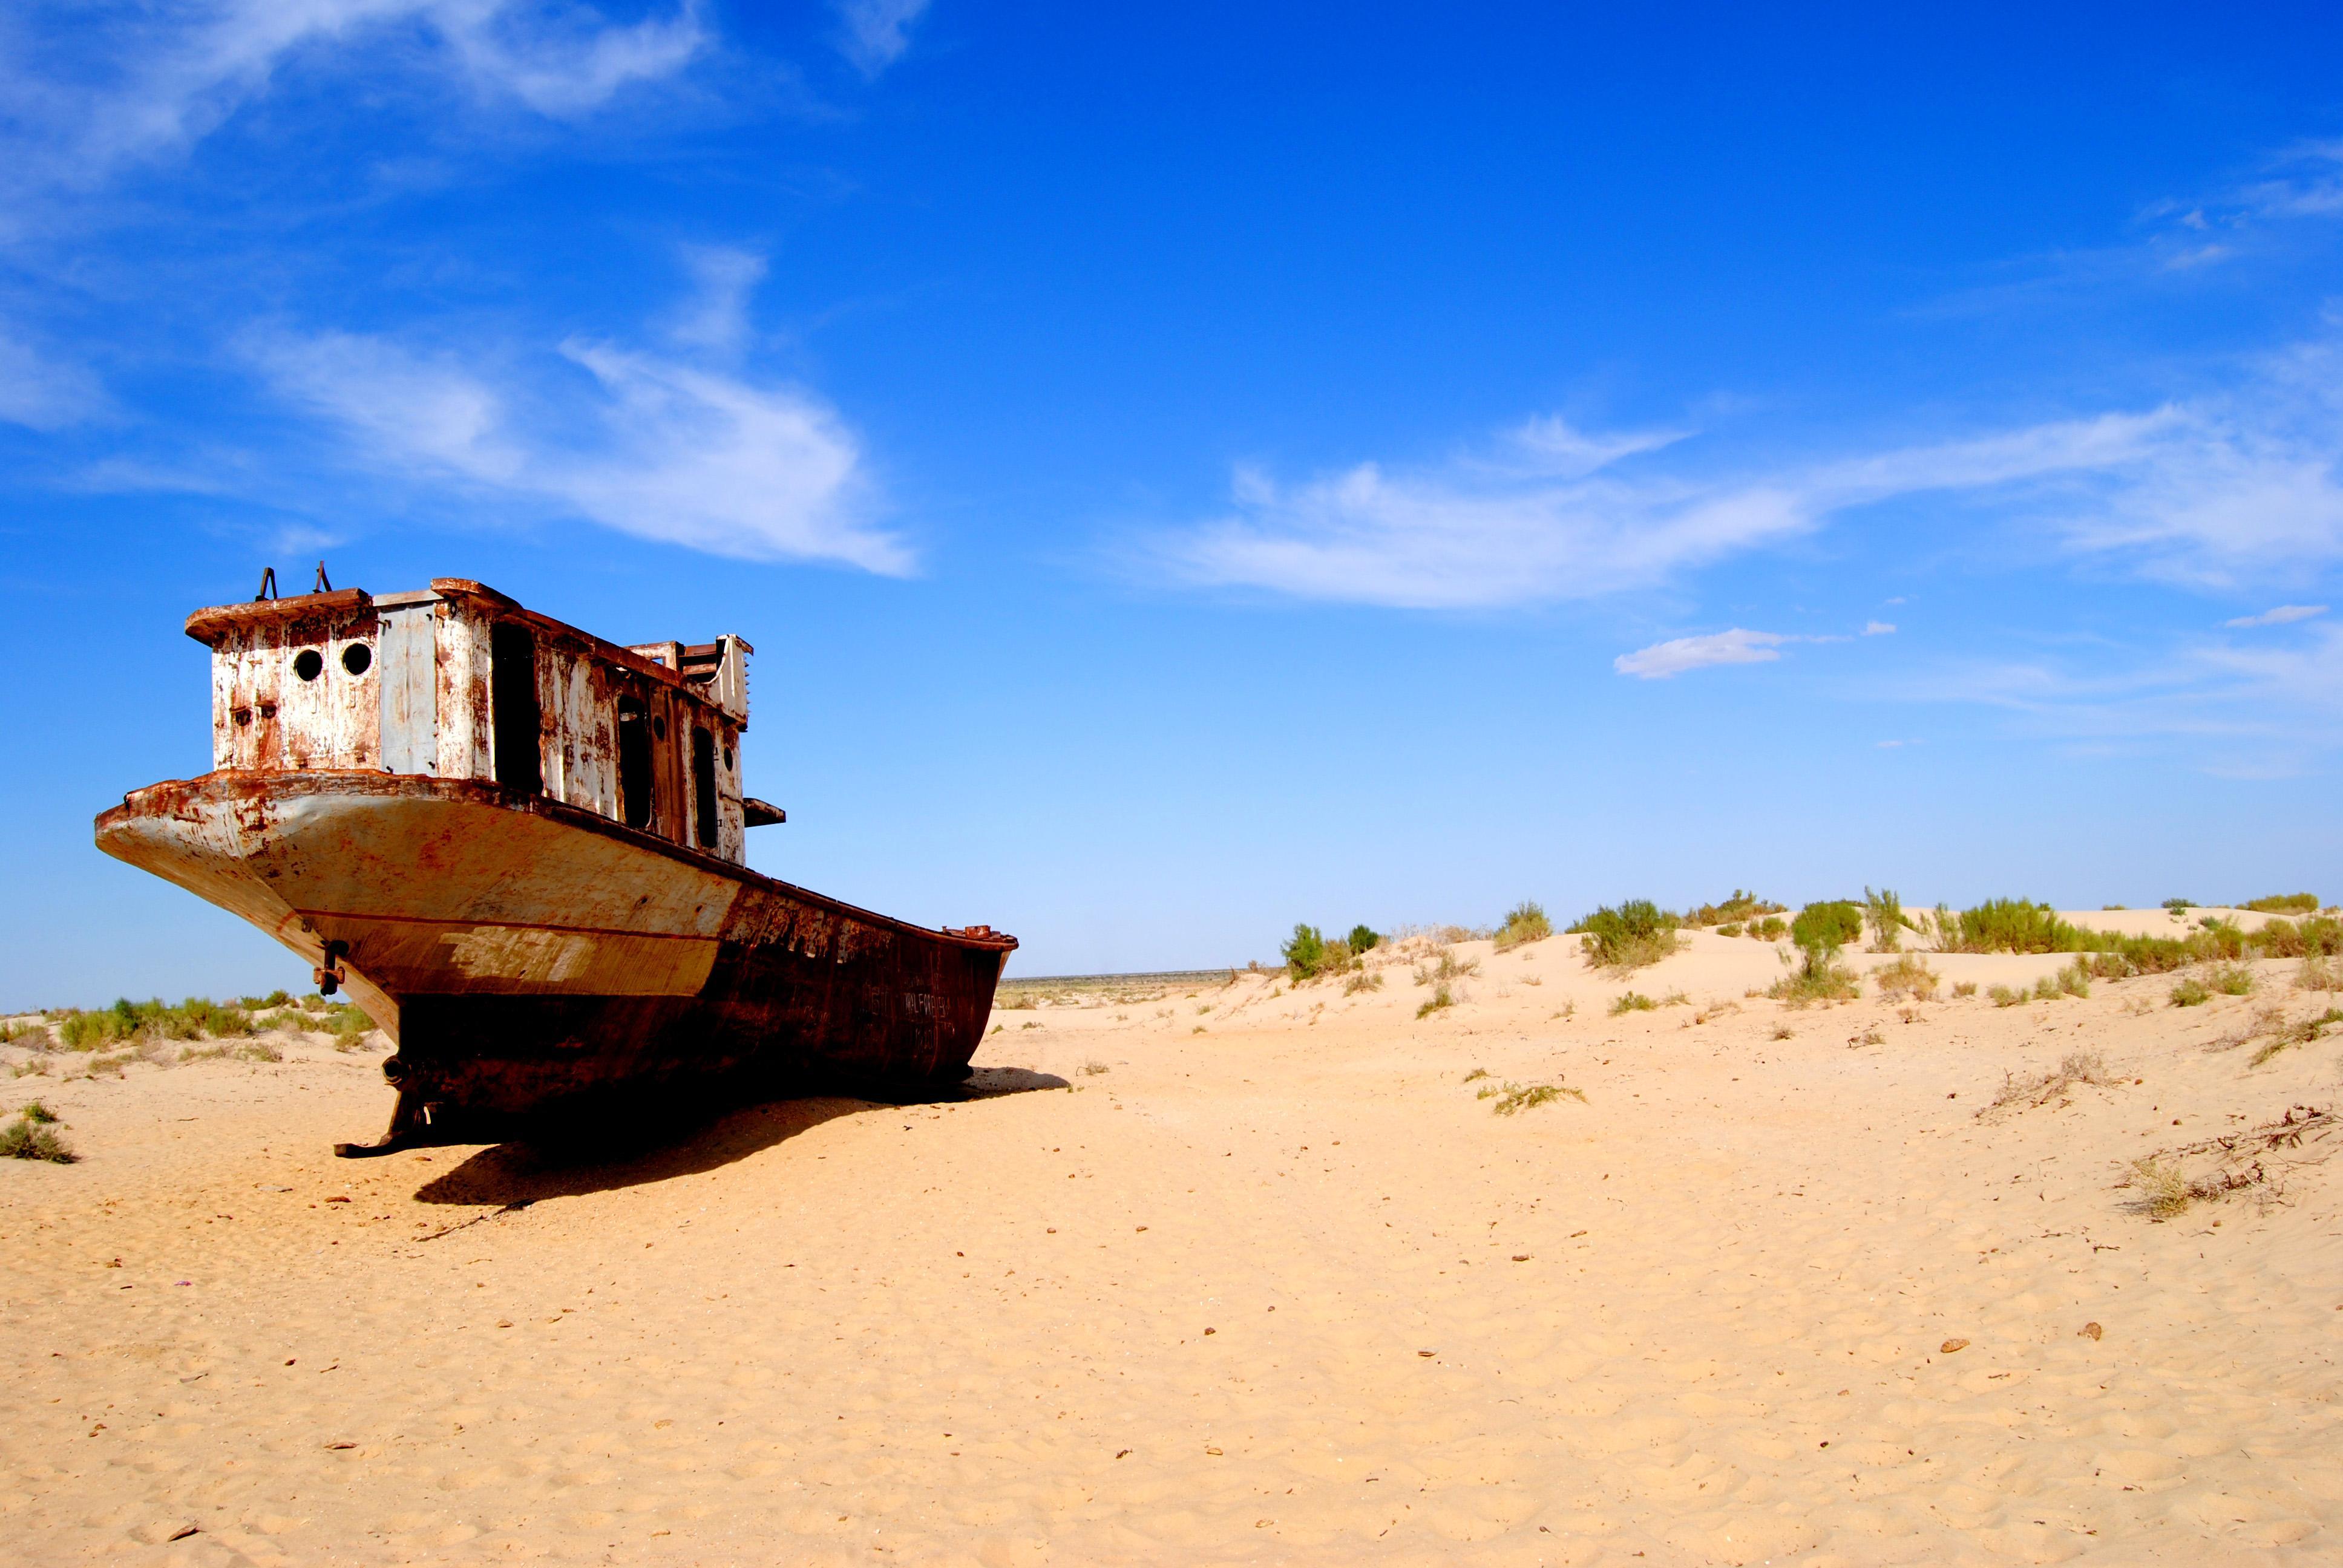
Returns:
point(634, 763)
point(728, 759)
point(512, 707)
point(308, 664)
point(243, 717)
point(659, 725)
point(358, 658)
point(703, 788)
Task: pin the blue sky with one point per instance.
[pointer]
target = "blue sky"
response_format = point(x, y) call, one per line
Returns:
point(1185, 473)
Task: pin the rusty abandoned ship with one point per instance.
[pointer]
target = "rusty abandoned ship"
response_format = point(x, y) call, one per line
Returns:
point(522, 850)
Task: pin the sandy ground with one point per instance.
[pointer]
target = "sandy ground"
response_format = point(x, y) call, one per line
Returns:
point(1266, 1282)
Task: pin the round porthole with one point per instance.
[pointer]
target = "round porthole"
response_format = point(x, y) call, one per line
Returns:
point(358, 658)
point(308, 664)
point(659, 725)
point(728, 759)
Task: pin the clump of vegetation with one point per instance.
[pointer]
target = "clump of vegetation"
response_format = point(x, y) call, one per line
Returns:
point(2075, 979)
point(2005, 926)
point(1094, 1066)
point(1514, 1098)
point(1909, 976)
point(1310, 955)
point(2295, 1034)
point(2232, 980)
point(1364, 939)
point(1964, 987)
point(1637, 932)
point(2317, 974)
point(34, 1136)
point(2284, 904)
point(1817, 976)
point(1833, 923)
point(1737, 911)
point(2005, 995)
point(1769, 929)
point(1363, 981)
point(1882, 911)
point(1439, 997)
point(348, 1025)
point(1525, 922)
point(1633, 1001)
point(2167, 1191)
point(2076, 1067)
point(1476, 1075)
point(2178, 905)
point(33, 1032)
point(2190, 991)
point(1444, 966)
point(127, 1021)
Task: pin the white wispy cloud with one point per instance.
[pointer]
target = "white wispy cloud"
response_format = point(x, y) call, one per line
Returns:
point(2282, 615)
point(716, 317)
point(874, 34)
point(42, 392)
point(651, 446)
point(2230, 487)
point(90, 88)
point(1878, 627)
point(1663, 659)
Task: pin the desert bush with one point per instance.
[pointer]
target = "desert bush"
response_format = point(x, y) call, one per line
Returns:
point(1909, 976)
point(2190, 991)
point(1439, 997)
point(2294, 1034)
point(1363, 939)
point(1518, 1097)
point(2283, 904)
point(1736, 911)
point(2166, 1191)
point(1632, 1001)
point(1818, 977)
point(1964, 987)
point(1730, 929)
point(2178, 905)
point(33, 1033)
point(1882, 911)
point(1637, 932)
point(1305, 954)
point(1443, 967)
point(2006, 926)
point(348, 1025)
point(1769, 929)
point(2317, 974)
point(1525, 922)
point(127, 1020)
point(35, 1137)
point(2232, 980)
point(1833, 923)
point(1363, 981)
point(2005, 995)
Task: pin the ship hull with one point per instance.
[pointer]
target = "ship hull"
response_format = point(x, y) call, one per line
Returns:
point(532, 958)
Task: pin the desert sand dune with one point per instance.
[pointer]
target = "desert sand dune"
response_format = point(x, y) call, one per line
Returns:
point(1249, 1274)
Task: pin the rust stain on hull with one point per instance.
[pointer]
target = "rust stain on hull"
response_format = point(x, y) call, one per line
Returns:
point(527, 956)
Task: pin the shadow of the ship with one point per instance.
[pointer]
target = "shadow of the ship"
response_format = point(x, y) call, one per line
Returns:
point(639, 1153)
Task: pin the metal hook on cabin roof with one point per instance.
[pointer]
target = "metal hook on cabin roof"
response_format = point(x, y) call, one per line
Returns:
point(267, 585)
point(323, 586)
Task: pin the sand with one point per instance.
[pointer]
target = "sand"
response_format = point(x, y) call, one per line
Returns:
point(1281, 1291)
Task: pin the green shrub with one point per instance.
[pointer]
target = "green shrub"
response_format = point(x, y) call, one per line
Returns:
point(1636, 933)
point(1882, 911)
point(34, 1110)
point(1964, 987)
point(1818, 977)
point(1305, 955)
point(2179, 906)
point(2006, 926)
point(2005, 996)
point(2232, 980)
point(126, 1021)
point(2284, 904)
point(1633, 1001)
point(1525, 922)
point(25, 1139)
point(1363, 939)
point(2189, 992)
point(1833, 923)
point(1769, 929)
point(1738, 911)
point(1729, 929)
point(1439, 998)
